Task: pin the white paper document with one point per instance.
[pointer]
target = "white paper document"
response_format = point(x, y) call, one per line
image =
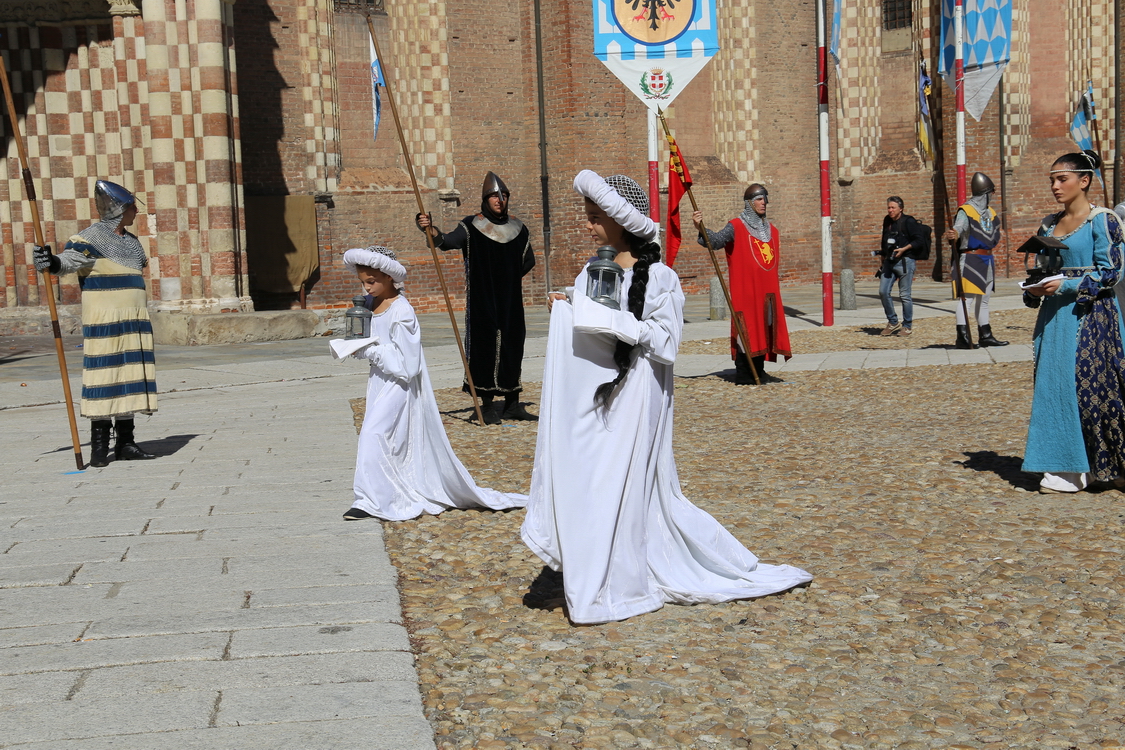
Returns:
point(1040, 284)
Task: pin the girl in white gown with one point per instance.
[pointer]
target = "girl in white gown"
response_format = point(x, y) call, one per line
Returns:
point(406, 466)
point(605, 507)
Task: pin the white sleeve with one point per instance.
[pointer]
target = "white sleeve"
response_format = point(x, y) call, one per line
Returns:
point(401, 357)
point(661, 326)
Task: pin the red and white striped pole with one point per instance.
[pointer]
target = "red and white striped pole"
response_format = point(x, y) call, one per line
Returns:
point(827, 295)
point(653, 169)
point(959, 86)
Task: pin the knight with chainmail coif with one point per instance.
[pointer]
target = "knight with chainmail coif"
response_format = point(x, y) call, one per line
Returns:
point(978, 229)
point(497, 253)
point(118, 365)
point(752, 242)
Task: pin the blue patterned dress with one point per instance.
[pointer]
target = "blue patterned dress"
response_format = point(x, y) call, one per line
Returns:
point(1078, 408)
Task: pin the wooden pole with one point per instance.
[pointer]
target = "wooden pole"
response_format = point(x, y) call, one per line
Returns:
point(422, 210)
point(739, 323)
point(955, 269)
point(29, 187)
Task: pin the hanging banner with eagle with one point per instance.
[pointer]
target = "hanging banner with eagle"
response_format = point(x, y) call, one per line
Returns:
point(655, 46)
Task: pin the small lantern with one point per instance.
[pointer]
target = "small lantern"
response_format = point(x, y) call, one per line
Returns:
point(357, 320)
point(604, 279)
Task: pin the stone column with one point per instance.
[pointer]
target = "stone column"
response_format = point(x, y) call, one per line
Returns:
point(194, 157)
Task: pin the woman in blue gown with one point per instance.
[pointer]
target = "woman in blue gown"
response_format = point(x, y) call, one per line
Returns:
point(1077, 431)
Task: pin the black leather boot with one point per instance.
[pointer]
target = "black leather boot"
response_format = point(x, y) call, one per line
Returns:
point(985, 337)
point(963, 341)
point(126, 449)
point(742, 373)
point(513, 409)
point(99, 442)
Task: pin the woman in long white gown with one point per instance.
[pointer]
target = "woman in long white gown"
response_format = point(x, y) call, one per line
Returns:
point(405, 466)
point(605, 507)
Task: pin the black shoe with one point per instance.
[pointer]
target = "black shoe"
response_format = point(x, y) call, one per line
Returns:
point(963, 341)
point(742, 372)
point(517, 412)
point(99, 442)
point(355, 514)
point(491, 413)
point(125, 449)
point(546, 591)
point(986, 338)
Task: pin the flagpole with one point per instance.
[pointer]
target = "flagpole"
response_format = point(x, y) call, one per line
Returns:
point(37, 228)
point(1097, 136)
point(422, 209)
point(736, 317)
point(959, 80)
point(653, 167)
point(827, 306)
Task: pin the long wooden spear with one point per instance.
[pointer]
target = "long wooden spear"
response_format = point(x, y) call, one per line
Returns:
point(422, 209)
point(739, 323)
point(29, 186)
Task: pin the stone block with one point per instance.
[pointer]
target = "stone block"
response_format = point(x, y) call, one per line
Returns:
point(122, 625)
point(91, 654)
point(270, 672)
point(325, 639)
point(393, 733)
point(82, 719)
point(269, 705)
point(190, 329)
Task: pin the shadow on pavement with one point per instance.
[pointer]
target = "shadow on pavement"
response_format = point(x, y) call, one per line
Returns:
point(1005, 467)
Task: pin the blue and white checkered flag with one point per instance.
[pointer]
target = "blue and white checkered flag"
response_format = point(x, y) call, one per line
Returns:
point(988, 48)
point(1080, 126)
point(1083, 116)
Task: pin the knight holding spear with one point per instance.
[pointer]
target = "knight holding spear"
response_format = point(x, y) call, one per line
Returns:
point(118, 365)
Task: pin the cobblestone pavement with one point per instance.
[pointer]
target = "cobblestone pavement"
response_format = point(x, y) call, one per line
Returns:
point(953, 606)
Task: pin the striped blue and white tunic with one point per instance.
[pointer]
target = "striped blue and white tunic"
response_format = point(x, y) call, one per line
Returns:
point(119, 365)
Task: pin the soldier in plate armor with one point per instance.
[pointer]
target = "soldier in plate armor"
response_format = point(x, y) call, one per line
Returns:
point(118, 365)
point(979, 231)
point(497, 253)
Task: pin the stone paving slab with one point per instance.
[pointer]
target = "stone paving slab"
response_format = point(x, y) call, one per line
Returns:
point(271, 705)
point(118, 625)
point(39, 635)
point(35, 688)
point(377, 733)
point(93, 654)
point(265, 672)
point(224, 562)
point(94, 718)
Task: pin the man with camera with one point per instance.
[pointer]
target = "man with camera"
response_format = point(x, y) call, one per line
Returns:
point(903, 241)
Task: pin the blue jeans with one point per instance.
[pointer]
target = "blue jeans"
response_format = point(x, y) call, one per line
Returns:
point(901, 271)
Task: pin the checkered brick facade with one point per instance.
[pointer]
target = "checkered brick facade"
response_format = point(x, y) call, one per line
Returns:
point(419, 61)
point(1090, 47)
point(857, 87)
point(736, 91)
point(149, 102)
point(156, 100)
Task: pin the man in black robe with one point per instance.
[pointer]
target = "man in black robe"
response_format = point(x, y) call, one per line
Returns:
point(497, 253)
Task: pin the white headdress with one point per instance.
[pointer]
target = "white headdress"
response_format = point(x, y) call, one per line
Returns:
point(378, 257)
point(621, 198)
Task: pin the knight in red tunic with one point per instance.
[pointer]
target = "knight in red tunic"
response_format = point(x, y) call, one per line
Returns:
point(752, 246)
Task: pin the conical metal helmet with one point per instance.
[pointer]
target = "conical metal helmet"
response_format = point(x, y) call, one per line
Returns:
point(494, 185)
point(981, 184)
point(111, 199)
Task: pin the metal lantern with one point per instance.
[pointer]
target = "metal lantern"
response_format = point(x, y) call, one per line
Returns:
point(604, 279)
point(357, 320)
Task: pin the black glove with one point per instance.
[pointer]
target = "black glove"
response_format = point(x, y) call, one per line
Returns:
point(44, 260)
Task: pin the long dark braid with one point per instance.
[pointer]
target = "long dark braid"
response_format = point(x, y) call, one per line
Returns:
point(647, 253)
